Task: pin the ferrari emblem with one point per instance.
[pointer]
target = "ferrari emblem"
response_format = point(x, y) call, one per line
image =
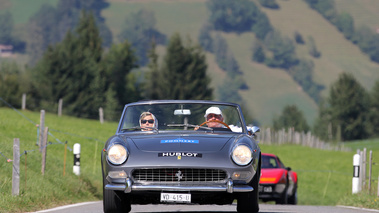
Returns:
point(179, 175)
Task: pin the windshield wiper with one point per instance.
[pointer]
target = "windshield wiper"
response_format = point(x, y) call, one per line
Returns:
point(190, 125)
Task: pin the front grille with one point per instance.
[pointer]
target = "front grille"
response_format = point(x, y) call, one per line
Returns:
point(179, 175)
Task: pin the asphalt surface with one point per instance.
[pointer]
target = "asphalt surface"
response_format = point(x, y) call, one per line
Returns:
point(97, 207)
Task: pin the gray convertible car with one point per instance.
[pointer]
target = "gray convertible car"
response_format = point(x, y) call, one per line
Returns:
point(181, 151)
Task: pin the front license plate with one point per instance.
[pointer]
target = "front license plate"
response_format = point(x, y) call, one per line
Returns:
point(267, 189)
point(175, 197)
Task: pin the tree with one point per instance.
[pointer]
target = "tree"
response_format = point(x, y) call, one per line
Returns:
point(324, 7)
point(153, 77)
point(139, 29)
point(183, 72)
point(205, 38)
point(374, 111)
point(50, 25)
point(349, 103)
point(345, 24)
point(291, 117)
point(7, 36)
point(40, 32)
point(228, 91)
point(258, 52)
point(6, 28)
point(262, 25)
point(232, 16)
point(322, 126)
point(68, 13)
point(302, 73)
point(368, 42)
point(283, 51)
point(118, 63)
point(298, 38)
point(272, 4)
point(10, 83)
point(312, 49)
point(69, 69)
point(224, 56)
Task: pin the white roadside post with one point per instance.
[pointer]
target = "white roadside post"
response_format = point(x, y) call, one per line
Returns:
point(356, 160)
point(76, 152)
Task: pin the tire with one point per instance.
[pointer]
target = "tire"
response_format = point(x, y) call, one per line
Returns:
point(115, 201)
point(293, 199)
point(283, 198)
point(248, 202)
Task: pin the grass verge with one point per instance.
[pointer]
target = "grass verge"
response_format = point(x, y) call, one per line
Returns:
point(324, 176)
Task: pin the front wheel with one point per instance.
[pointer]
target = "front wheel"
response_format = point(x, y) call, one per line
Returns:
point(283, 197)
point(115, 201)
point(293, 198)
point(248, 202)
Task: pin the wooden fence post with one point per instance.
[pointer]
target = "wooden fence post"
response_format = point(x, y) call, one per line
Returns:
point(16, 167)
point(369, 172)
point(60, 103)
point(101, 115)
point(41, 129)
point(23, 103)
point(364, 162)
point(44, 150)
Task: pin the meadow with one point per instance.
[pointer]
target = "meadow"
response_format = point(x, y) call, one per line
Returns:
point(324, 176)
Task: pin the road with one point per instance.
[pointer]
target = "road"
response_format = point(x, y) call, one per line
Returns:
point(97, 207)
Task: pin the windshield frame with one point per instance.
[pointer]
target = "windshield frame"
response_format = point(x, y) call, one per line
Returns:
point(120, 129)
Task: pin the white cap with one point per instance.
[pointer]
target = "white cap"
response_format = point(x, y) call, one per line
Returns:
point(213, 110)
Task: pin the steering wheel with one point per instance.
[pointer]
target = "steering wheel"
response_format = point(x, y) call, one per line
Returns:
point(217, 121)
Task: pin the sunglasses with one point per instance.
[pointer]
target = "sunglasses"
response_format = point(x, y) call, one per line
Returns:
point(214, 116)
point(151, 121)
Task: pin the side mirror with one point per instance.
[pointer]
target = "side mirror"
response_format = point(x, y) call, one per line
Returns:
point(253, 130)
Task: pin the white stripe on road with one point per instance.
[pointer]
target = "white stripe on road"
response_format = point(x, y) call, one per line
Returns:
point(67, 206)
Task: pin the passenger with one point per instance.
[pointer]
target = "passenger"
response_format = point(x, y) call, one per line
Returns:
point(148, 121)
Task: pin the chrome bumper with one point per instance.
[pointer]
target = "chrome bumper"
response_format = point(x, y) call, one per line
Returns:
point(229, 187)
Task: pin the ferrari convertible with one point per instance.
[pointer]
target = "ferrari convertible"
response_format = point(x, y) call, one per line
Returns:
point(278, 183)
point(181, 151)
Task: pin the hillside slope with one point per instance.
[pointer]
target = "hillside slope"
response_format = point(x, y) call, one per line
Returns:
point(269, 89)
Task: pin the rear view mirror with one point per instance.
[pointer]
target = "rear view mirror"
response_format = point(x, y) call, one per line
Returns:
point(182, 112)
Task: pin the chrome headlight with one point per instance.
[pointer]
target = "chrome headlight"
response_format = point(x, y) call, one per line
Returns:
point(117, 154)
point(242, 155)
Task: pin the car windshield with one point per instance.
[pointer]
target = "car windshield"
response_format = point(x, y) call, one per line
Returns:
point(269, 162)
point(181, 116)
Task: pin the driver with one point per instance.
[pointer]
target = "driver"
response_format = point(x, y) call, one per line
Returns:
point(148, 121)
point(214, 113)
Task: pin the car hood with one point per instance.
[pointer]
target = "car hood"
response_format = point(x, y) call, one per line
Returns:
point(271, 175)
point(180, 142)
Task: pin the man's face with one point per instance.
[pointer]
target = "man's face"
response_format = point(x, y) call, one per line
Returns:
point(212, 117)
point(147, 121)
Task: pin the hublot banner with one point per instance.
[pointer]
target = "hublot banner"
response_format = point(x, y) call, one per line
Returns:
point(180, 154)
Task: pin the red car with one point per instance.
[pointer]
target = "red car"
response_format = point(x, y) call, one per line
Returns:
point(278, 183)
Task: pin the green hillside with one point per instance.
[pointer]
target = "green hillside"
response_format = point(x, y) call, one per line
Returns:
point(269, 89)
